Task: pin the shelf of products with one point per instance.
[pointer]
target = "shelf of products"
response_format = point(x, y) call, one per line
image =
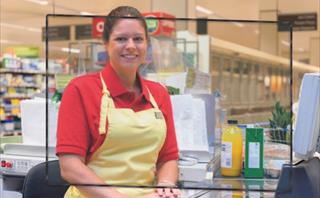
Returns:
point(21, 79)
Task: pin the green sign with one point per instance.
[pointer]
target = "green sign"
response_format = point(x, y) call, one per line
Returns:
point(152, 25)
point(62, 80)
point(24, 51)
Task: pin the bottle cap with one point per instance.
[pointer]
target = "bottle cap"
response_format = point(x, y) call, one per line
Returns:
point(232, 121)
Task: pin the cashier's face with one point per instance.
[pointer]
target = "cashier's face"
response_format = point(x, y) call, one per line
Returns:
point(127, 45)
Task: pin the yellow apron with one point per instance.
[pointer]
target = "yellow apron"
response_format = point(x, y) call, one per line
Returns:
point(129, 153)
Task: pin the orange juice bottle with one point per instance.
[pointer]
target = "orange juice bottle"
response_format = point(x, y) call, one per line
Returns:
point(231, 149)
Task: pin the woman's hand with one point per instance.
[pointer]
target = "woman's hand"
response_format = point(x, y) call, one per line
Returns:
point(167, 175)
point(168, 192)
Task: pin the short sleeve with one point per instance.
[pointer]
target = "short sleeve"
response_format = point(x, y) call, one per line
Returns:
point(72, 129)
point(169, 151)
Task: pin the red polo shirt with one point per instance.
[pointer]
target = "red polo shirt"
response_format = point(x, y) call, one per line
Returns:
point(79, 112)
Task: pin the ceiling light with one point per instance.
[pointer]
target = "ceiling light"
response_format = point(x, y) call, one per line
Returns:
point(40, 2)
point(8, 25)
point(203, 10)
point(86, 13)
point(285, 43)
point(238, 24)
point(71, 50)
point(9, 42)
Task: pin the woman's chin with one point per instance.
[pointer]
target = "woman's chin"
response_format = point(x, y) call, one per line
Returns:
point(129, 64)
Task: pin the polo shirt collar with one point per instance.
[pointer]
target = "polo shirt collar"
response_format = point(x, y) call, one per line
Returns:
point(115, 85)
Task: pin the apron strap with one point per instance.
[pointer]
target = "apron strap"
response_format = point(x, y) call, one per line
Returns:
point(153, 102)
point(105, 103)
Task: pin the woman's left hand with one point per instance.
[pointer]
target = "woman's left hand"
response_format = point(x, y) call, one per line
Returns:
point(168, 192)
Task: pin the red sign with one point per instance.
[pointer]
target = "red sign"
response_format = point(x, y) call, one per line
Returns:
point(156, 27)
point(160, 27)
point(97, 27)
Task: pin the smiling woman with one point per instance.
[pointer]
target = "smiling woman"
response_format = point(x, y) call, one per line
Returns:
point(127, 48)
point(109, 128)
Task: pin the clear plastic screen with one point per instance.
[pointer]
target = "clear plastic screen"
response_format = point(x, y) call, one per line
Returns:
point(219, 69)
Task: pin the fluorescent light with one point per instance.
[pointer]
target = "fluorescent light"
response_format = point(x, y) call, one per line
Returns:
point(8, 25)
point(86, 13)
point(267, 81)
point(209, 12)
point(40, 2)
point(238, 24)
point(34, 29)
point(285, 43)
point(9, 42)
point(72, 50)
point(203, 10)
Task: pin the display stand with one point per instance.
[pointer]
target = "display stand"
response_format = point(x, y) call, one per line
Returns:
point(300, 180)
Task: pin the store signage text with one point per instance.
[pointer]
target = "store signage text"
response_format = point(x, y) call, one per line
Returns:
point(56, 33)
point(83, 31)
point(300, 22)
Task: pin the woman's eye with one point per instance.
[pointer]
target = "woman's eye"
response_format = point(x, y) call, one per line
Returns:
point(121, 39)
point(138, 39)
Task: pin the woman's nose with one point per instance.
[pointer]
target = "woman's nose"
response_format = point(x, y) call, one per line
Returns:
point(130, 43)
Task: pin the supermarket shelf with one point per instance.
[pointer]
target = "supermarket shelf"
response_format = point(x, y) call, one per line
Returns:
point(11, 114)
point(19, 71)
point(9, 106)
point(21, 86)
point(9, 135)
point(16, 97)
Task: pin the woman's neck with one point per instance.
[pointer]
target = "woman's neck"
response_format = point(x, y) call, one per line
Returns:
point(128, 79)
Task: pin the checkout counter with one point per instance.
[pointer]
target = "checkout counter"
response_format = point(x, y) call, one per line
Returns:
point(195, 122)
point(16, 160)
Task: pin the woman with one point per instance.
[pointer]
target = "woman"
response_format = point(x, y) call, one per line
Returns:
point(115, 127)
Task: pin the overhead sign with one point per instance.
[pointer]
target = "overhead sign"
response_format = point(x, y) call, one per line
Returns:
point(300, 22)
point(160, 27)
point(24, 51)
point(97, 27)
point(56, 33)
point(83, 32)
point(62, 80)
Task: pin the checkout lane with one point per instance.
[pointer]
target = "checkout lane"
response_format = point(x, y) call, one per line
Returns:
point(199, 153)
point(195, 155)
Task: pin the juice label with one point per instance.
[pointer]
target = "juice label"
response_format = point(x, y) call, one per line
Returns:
point(254, 155)
point(226, 155)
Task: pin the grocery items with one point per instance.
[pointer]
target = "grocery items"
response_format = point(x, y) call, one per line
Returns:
point(253, 166)
point(231, 149)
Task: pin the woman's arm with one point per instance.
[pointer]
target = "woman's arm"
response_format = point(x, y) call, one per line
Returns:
point(167, 175)
point(74, 171)
point(167, 172)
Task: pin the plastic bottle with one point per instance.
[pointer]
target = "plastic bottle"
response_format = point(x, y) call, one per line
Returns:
point(231, 149)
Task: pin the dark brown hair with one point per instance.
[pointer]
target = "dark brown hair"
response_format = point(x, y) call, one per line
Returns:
point(116, 14)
